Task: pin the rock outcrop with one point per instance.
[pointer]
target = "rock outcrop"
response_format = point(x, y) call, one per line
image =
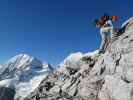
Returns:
point(107, 76)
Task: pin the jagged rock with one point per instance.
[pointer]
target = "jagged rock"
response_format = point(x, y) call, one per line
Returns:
point(115, 88)
point(107, 76)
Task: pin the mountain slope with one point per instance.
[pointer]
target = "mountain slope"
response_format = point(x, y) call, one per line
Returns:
point(73, 61)
point(23, 73)
point(107, 76)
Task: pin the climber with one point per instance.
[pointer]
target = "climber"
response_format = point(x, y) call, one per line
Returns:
point(105, 24)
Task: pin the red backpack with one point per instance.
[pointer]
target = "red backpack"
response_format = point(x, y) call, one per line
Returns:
point(114, 18)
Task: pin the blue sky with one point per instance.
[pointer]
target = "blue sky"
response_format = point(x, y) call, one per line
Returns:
point(52, 29)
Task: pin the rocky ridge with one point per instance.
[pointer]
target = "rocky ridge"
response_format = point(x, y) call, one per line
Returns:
point(107, 76)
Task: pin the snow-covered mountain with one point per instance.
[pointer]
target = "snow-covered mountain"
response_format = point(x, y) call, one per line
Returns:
point(89, 76)
point(23, 73)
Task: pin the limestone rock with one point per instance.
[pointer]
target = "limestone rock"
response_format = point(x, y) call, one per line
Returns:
point(107, 76)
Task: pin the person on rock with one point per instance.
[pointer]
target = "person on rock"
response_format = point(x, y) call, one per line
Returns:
point(105, 24)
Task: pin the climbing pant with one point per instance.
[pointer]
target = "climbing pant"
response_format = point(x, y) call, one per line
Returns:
point(104, 31)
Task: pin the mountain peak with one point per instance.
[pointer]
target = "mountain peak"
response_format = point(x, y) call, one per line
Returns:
point(21, 71)
point(22, 55)
point(22, 60)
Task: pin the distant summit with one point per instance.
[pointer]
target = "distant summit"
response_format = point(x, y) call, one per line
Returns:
point(23, 73)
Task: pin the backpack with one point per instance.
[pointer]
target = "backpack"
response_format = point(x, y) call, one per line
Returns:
point(103, 19)
point(106, 17)
point(114, 18)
